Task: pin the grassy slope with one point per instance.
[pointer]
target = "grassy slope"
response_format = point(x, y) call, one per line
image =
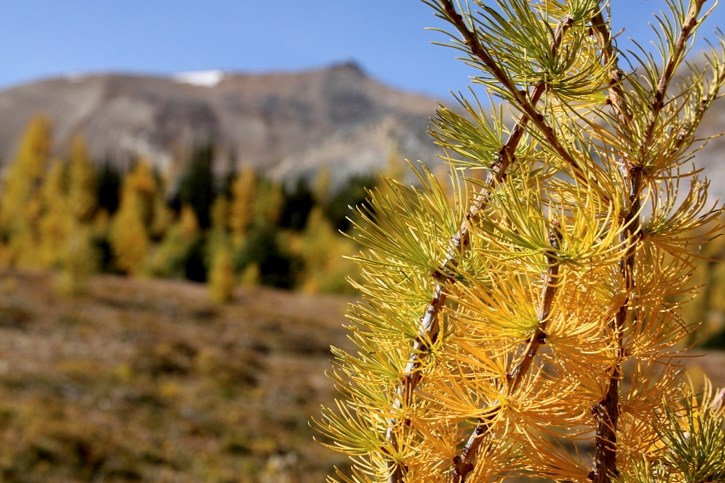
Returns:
point(147, 381)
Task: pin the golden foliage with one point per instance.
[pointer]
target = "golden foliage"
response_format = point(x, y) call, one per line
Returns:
point(242, 205)
point(505, 330)
point(81, 182)
point(20, 204)
point(128, 236)
point(325, 255)
point(221, 275)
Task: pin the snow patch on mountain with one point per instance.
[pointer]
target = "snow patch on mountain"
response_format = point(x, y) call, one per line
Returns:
point(203, 78)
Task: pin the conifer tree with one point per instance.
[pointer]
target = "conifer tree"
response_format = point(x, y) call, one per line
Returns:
point(82, 193)
point(20, 205)
point(141, 183)
point(321, 186)
point(78, 261)
point(218, 235)
point(128, 234)
point(220, 214)
point(170, 258)
point(197, 184)
point(268, 203)
point(56, 221)
point(163, 215)
point(324, 254)
point(241, 210)
point(221, 275)
point(531, 327)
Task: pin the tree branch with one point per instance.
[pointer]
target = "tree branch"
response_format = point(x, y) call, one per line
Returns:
point(528, 106)
point(465, 463)
point(658, 103)
point(607, 411)
point(429, 327)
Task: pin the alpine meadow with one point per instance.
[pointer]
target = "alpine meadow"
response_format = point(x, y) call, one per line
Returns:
point(527, 323)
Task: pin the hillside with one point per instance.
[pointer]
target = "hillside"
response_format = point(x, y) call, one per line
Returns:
point(145, 380)
point(285, 124)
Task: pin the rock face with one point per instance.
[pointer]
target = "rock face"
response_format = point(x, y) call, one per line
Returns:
point(285, 124)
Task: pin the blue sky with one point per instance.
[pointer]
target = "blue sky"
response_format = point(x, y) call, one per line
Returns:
point(41, 38)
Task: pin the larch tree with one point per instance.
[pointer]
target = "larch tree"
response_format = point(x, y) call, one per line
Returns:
point(241, 208)
point(20, 204)
point(531, 326)
point(128, 233)
point(221, 279)
point(268, 203)
point(169, 258)
point(82, 190)
point(325, 255)
point(77, 255)
point(56, 221)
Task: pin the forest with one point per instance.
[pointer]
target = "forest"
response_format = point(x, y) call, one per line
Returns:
point(78, 216)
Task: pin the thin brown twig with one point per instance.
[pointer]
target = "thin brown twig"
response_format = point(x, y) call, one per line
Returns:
point(607, 410)
point(680, 48)
point(464, 463)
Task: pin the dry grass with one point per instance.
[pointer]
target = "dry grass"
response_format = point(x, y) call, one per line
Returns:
point(146, 380)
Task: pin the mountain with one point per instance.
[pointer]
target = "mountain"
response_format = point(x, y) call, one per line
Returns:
point(285, 124)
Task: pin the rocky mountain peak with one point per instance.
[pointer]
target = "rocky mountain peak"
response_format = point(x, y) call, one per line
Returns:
point(285, 123)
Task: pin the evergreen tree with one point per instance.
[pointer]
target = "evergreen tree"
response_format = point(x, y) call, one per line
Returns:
point(163, 215)
point(321, 186)
point(108, 188)
point(196, 186)
point(531, 326)
point(268, 203)
point(141, 183)
point(267, 256)
point(218, 235)
point(78, 261)
point(220, 214)
point(299, 201)
point(128, 236)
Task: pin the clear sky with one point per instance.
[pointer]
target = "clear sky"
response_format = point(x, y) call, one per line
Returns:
point(41, 38)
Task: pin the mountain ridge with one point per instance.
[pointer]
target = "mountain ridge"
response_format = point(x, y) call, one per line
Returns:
point(285, 124)
point(261, 120)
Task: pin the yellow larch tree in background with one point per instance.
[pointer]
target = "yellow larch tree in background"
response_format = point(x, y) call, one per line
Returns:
point(82, 196)
point(56, 221)
point(128, 234)
point(221, 274)
point(169, 258)
point(325, 254)
point(20, 203)
point(242, 205)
